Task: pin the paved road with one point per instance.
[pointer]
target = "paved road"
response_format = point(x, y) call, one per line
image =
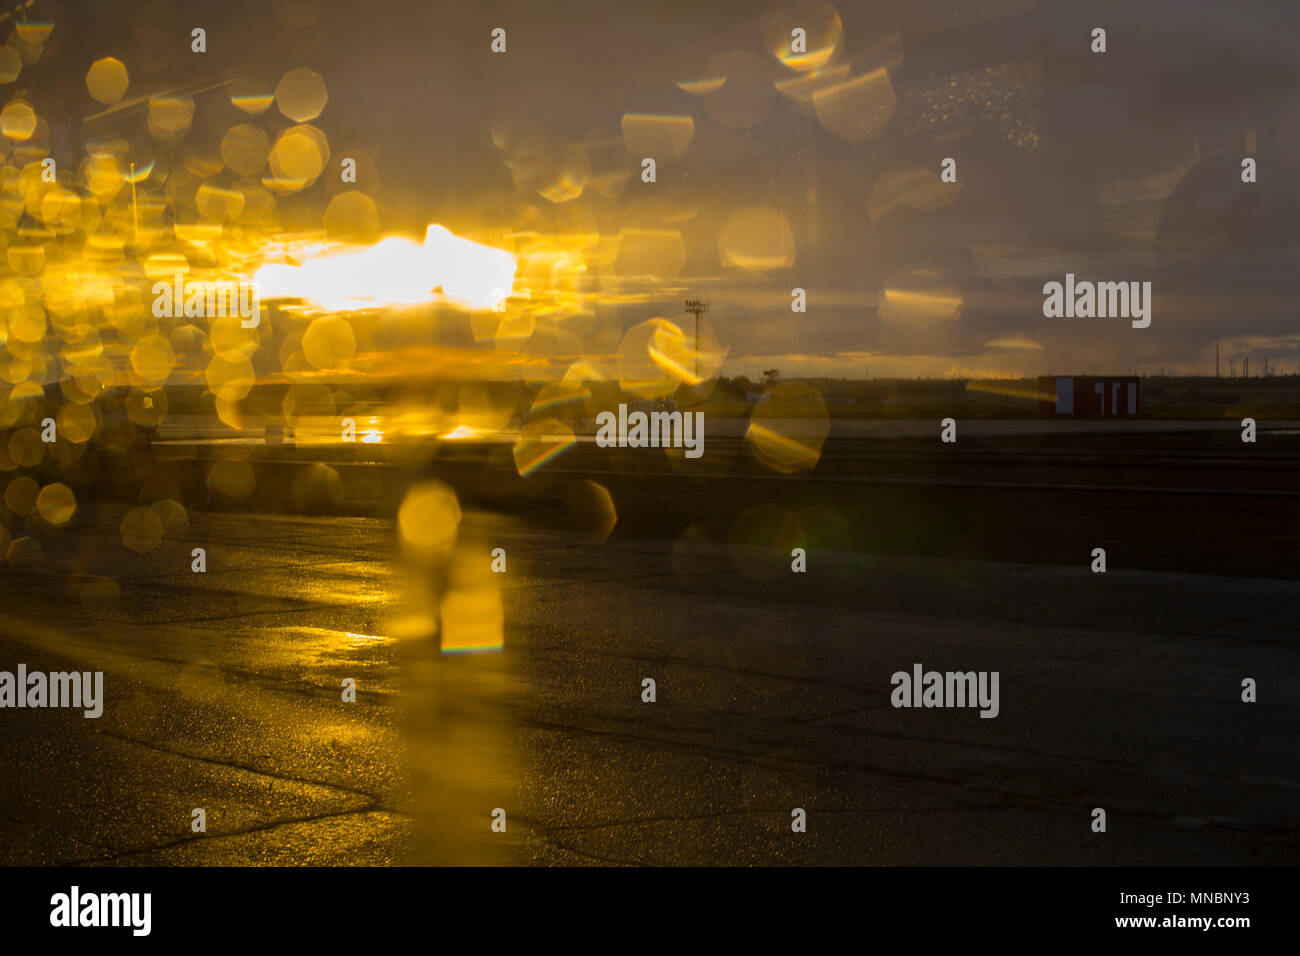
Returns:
point(1197, 500)
point(1118, 691)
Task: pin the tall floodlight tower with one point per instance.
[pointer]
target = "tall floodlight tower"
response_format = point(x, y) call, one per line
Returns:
point(697, 307)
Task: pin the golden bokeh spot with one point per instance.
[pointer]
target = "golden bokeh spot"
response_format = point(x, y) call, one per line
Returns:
point(565, 178)
point(27, 260)
point(170, 116)
point(230, 380)
point(541, 442)
point(219, 205)
point(146, 408)
point(245, 149)
point(11, 64)
point(142, 530)
point(35, 32)
point(88, 384)
point(18, 121)
point(11, 293)
point(202, 160)
point(916, 188)
point(592, 508)
point(823, 35)
point(565, 399)
point(260, 211)
point(230, 414)
point(66, 452)
point(61, 207)
point(24, 404)
point(20, 495)
point(76, 423)
point(681, 355)
point(27, 324)
point(190, 344)
point(920, 298)
point(73, 392)
point(788, 427)
point(14, 368)
point(173, 517)
point(329, 342)
point(251, 96)
point(81, 347)
point(132, 315)
point(234, 479)
point(25, 553)
point(230, 340)
point(472, 618)
point(107, 80)
point(757, 239)
point(656, 356)
point(254, 104)
point(663, 137)
point(26, 447)
point(859, 109)
point(301, 95)
point(153, 359)
point(429, 518)
point(298, 157)
point(352, 216)
point(56, 503)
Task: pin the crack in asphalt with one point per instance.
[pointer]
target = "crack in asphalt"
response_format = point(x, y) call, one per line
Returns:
point(375, 801)
point(260, 828)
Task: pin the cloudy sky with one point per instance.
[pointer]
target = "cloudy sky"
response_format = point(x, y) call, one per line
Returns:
point(821, 172)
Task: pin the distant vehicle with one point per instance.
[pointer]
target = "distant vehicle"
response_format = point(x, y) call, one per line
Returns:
point(1088, 396)
point(653, 405)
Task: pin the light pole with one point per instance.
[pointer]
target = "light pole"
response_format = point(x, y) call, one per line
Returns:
point(698, 307)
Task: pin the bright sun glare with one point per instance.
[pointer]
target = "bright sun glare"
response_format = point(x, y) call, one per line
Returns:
point(396, 271)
